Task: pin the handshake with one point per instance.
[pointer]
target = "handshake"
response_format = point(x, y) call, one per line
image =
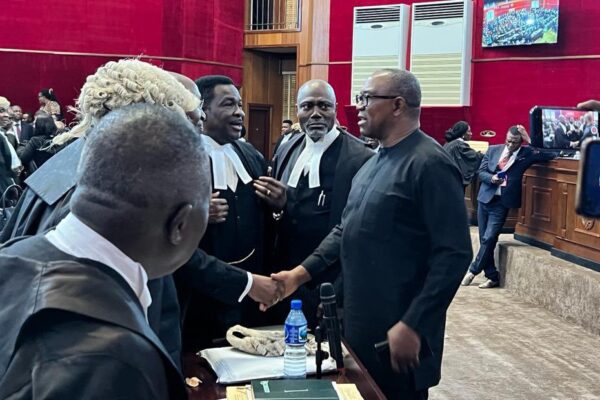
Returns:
point(268, 291)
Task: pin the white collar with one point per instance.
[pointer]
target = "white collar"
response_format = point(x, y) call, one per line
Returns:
point(226, 165)
point(505, 152)
point(310, 159)
point(73, 237)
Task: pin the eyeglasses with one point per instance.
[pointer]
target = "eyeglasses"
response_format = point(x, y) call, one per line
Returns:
point(363, 98)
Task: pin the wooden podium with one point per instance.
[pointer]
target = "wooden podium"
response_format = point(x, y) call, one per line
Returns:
point(547, 216)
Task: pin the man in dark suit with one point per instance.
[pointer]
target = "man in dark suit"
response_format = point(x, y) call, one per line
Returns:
point(316, 191)
point(287, 133)
point(590, 129)
point(7, 174)
point(22, 130)
point(75, 299)
point(403, 242)
point(501, 173)
point(561, 136)
point(236, 231)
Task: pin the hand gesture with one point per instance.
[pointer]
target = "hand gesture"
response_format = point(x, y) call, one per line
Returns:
point(591, 105)
point(266, 291)
point(271, 191)
point(405, 345)
point(218, 209)
point(292, 280)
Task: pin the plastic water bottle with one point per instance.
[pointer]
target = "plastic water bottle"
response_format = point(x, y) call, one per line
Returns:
point(294, 358)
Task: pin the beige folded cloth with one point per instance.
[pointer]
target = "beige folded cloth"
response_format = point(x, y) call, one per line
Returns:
point(264, 343)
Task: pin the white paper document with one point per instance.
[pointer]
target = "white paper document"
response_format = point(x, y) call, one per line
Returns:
point(233, 366)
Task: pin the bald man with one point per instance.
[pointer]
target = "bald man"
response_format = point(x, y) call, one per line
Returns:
point(403, 242)
point(318, 167)
point(75, 299)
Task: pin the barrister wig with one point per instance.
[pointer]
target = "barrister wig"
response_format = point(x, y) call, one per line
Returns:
point(121, 83)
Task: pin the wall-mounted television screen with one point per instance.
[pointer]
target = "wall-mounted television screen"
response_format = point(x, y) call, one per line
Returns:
point(519, 22)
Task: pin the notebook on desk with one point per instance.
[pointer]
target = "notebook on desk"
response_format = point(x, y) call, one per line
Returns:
point(294, 389)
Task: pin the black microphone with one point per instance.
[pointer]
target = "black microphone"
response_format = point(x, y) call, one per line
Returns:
point(332, 323)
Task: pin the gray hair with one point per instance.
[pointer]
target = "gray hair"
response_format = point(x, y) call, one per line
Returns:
point(118, 84)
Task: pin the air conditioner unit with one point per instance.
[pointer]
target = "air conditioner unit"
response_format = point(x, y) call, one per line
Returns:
point(380, 37)
point(441, 44)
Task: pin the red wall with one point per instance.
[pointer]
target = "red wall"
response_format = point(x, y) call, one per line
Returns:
point(503, 92)
point(200, 31)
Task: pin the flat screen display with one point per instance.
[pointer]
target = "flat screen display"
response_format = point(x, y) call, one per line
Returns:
point(519, 22)
point(568, 129)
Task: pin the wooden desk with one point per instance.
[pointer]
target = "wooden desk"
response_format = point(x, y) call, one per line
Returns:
point(355, 372)
point(547, 216)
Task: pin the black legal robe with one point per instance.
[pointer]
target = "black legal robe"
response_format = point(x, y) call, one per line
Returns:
point(240, 241)
point(45, 203)
point(467, 159)
point(404, 247)
point(310, 214)
point(74, 329)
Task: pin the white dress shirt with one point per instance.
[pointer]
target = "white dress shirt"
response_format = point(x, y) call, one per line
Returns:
point(510, 162)
point(309, 160)
point(75, 238)
point(226, 165)
point(15, 130)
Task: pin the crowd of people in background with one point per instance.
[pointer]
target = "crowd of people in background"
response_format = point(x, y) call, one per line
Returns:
point(569, 133)
point(520, 27)
point(26, 138)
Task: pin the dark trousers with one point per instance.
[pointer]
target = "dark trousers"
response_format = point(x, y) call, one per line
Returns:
point(490, 218)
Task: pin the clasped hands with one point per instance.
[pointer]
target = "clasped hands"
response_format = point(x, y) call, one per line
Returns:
point(272, 191)
point(268, 291)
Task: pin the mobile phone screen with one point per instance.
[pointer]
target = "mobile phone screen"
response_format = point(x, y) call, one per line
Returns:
point(588, 185)
point(566, 128)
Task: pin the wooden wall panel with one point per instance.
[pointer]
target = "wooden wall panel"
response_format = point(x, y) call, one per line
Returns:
point(548, 211)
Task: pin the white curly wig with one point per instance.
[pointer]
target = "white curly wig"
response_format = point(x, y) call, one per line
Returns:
point(118, 84)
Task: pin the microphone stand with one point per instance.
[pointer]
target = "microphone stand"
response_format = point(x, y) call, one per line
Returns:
point(320, 355)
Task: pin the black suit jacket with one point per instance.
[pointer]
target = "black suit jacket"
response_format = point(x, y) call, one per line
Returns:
point(73, 328)
point(353, 155)
point(511, 193)
point(26, 131)
point(6, 173)
point(278, 143)
point(46, 202)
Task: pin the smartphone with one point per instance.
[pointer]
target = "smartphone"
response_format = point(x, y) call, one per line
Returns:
point(383, 351)
point(587, 199)
point(561, 129)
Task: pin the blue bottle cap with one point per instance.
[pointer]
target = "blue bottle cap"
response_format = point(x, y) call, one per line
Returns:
point(296, 304)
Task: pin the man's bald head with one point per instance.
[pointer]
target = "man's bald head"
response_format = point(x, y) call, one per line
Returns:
point(316, 104)
point(143, 182)
point(316, 84)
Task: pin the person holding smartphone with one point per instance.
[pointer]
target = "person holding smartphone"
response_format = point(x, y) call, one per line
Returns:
point(501, 172)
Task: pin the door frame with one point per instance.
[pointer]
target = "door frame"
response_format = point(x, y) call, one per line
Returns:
point(267, 136)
